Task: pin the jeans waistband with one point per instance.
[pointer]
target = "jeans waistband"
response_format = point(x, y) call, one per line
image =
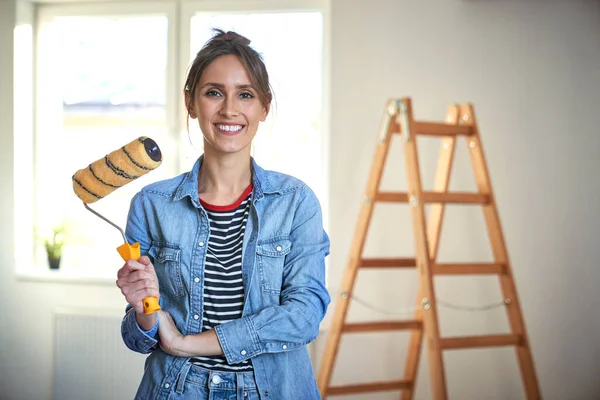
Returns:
point(204, 377)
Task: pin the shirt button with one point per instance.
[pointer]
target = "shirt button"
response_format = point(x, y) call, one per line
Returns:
point(243, 352)
point(216, 379)
point(167, 385)
point(278, 248)
point(196, 280)
point(201, 244)
point(196, 316)
point(266, 393)
point(284, 347)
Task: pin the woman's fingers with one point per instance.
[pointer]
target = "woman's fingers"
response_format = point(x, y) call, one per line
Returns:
point(137, 280)
point(140, 285)
point(135, 265)
point(144, 260)
point(135, 294)
point(133, 272)
point(137, 276)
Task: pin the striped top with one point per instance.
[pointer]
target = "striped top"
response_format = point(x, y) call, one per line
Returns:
point(223, 285)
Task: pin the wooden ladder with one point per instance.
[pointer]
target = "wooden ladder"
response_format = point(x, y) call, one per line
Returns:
point(460, 121)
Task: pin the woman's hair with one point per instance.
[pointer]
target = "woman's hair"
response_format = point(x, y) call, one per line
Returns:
point(231, 43)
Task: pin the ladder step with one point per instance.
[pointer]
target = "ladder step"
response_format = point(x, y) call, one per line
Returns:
point(381, 326)
point(480, 341)
point(456, 197)
point(441, 129)
point(435, 197)
point(387, 262)
point(391, 197)
point(369, 387)
point(468, 269)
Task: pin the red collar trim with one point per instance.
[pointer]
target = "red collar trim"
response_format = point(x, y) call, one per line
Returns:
point(230, 207)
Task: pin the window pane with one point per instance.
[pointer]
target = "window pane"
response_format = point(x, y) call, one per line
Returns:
point(112, 62)
point(291, 139)
point(102, 84)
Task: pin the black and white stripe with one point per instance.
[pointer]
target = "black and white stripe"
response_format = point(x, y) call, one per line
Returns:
point(223, 286)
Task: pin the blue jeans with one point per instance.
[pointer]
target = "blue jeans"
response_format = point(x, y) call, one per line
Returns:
point(199, 383)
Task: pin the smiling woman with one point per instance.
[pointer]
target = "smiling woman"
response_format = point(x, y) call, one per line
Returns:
point(236, 253)
point(227, 105)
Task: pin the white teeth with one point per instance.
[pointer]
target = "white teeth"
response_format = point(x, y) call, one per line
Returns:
point(229, 128)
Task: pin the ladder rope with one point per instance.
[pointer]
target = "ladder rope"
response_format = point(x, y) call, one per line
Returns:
point(411, 310)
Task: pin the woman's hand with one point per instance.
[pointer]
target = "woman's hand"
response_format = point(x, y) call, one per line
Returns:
point(171, 341)
point(137, 280)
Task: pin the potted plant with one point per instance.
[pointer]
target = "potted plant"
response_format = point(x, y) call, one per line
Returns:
point(54, 246)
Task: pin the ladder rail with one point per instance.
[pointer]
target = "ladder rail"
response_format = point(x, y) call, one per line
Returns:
point(387, 127)
point(434, 228)
point(417, 211)
point(500, 253)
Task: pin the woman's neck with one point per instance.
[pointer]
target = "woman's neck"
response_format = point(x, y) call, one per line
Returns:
point(223, 178)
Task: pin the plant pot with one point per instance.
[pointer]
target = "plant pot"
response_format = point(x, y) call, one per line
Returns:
point(53, 262)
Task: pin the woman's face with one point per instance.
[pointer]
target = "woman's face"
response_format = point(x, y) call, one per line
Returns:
point(227, 106)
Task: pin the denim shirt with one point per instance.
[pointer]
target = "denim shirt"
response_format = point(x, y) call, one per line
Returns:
point(283, 272)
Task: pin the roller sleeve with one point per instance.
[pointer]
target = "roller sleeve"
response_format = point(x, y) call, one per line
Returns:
point(116, 169)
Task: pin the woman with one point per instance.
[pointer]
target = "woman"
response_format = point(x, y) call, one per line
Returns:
point(234, 253)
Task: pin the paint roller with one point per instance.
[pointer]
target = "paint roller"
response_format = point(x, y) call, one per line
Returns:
point(116, 169)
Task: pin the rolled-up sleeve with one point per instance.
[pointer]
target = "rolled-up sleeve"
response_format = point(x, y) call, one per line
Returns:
point(135, 337)
point(304, 298)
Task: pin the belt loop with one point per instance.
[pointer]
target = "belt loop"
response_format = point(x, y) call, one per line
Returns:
point(182, 376)
point(240, 385)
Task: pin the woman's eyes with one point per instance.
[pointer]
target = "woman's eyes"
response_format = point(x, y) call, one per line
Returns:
point(215, 93)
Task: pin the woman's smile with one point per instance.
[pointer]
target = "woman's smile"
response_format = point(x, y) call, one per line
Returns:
point(228, 128)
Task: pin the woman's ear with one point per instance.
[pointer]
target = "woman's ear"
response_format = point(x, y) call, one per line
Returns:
point(188, 104)
point(265, 112)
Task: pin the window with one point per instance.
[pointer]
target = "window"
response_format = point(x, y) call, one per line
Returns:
point(102, 81)
point(106, 75)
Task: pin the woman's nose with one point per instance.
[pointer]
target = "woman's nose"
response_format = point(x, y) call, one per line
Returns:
point(229, 107)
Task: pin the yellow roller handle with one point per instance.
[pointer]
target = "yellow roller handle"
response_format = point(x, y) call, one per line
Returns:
point(132, 252)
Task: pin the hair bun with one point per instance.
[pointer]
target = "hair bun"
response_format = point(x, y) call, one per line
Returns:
point(230, 36)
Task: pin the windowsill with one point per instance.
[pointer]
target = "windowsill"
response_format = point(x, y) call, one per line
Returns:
point(46, 275)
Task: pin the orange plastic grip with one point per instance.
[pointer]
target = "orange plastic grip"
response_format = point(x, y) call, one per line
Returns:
point(132, 252)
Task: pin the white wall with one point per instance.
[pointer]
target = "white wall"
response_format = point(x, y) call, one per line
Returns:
point(26, 326)
point(7, 18)
point(532, 70)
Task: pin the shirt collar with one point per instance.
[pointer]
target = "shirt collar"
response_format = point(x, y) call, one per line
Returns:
point(189, 185)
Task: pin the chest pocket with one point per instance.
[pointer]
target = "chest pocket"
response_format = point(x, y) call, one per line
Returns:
point(270, 255)
point(167, 264)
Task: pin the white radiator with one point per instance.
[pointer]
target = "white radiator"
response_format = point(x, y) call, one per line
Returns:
point(90, 359)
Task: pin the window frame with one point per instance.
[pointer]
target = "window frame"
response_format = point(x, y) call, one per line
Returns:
point(178, 14)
